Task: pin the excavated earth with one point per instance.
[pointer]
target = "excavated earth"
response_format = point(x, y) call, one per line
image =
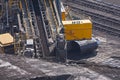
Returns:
point(102, 65)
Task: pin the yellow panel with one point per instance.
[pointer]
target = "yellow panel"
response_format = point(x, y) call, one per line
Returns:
point(20, 5)
point(77, 29)
point(6, 39)
point(63, 16)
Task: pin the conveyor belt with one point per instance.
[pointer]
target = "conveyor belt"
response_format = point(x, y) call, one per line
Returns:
point(34, 26)
point(39, 13)
point(26, 20)
point(41, 25)
point(51, 18)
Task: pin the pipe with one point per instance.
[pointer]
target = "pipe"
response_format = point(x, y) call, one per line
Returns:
point(85, 46)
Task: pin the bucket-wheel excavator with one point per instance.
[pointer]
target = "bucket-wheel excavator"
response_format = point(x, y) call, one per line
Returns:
point(48, 32)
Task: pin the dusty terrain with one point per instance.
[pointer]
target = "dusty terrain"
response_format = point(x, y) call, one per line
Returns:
point(19, 68)
point(103, 65)
point(14, 67)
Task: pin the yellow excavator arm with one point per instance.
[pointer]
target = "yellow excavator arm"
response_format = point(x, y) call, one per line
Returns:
point(75, 29)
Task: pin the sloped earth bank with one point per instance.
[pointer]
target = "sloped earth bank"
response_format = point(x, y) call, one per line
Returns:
point(108, 55)
point(104, 65)
point(20, 68)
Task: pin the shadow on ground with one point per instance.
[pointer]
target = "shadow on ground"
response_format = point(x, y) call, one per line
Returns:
point(76, 55)
point(61, 77)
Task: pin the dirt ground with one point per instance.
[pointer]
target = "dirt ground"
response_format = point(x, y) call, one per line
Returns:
point(20, 68)
point(13, 67)
point(109, 46)
point(104, 65)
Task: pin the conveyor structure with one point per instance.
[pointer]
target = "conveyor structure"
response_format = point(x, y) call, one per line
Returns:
point(45, 31)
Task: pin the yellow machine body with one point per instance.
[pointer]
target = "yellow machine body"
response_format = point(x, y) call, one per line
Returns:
point(6, 43)
point(6, 39)
point(63, 16)
point(77, 29)
point(63, 13)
